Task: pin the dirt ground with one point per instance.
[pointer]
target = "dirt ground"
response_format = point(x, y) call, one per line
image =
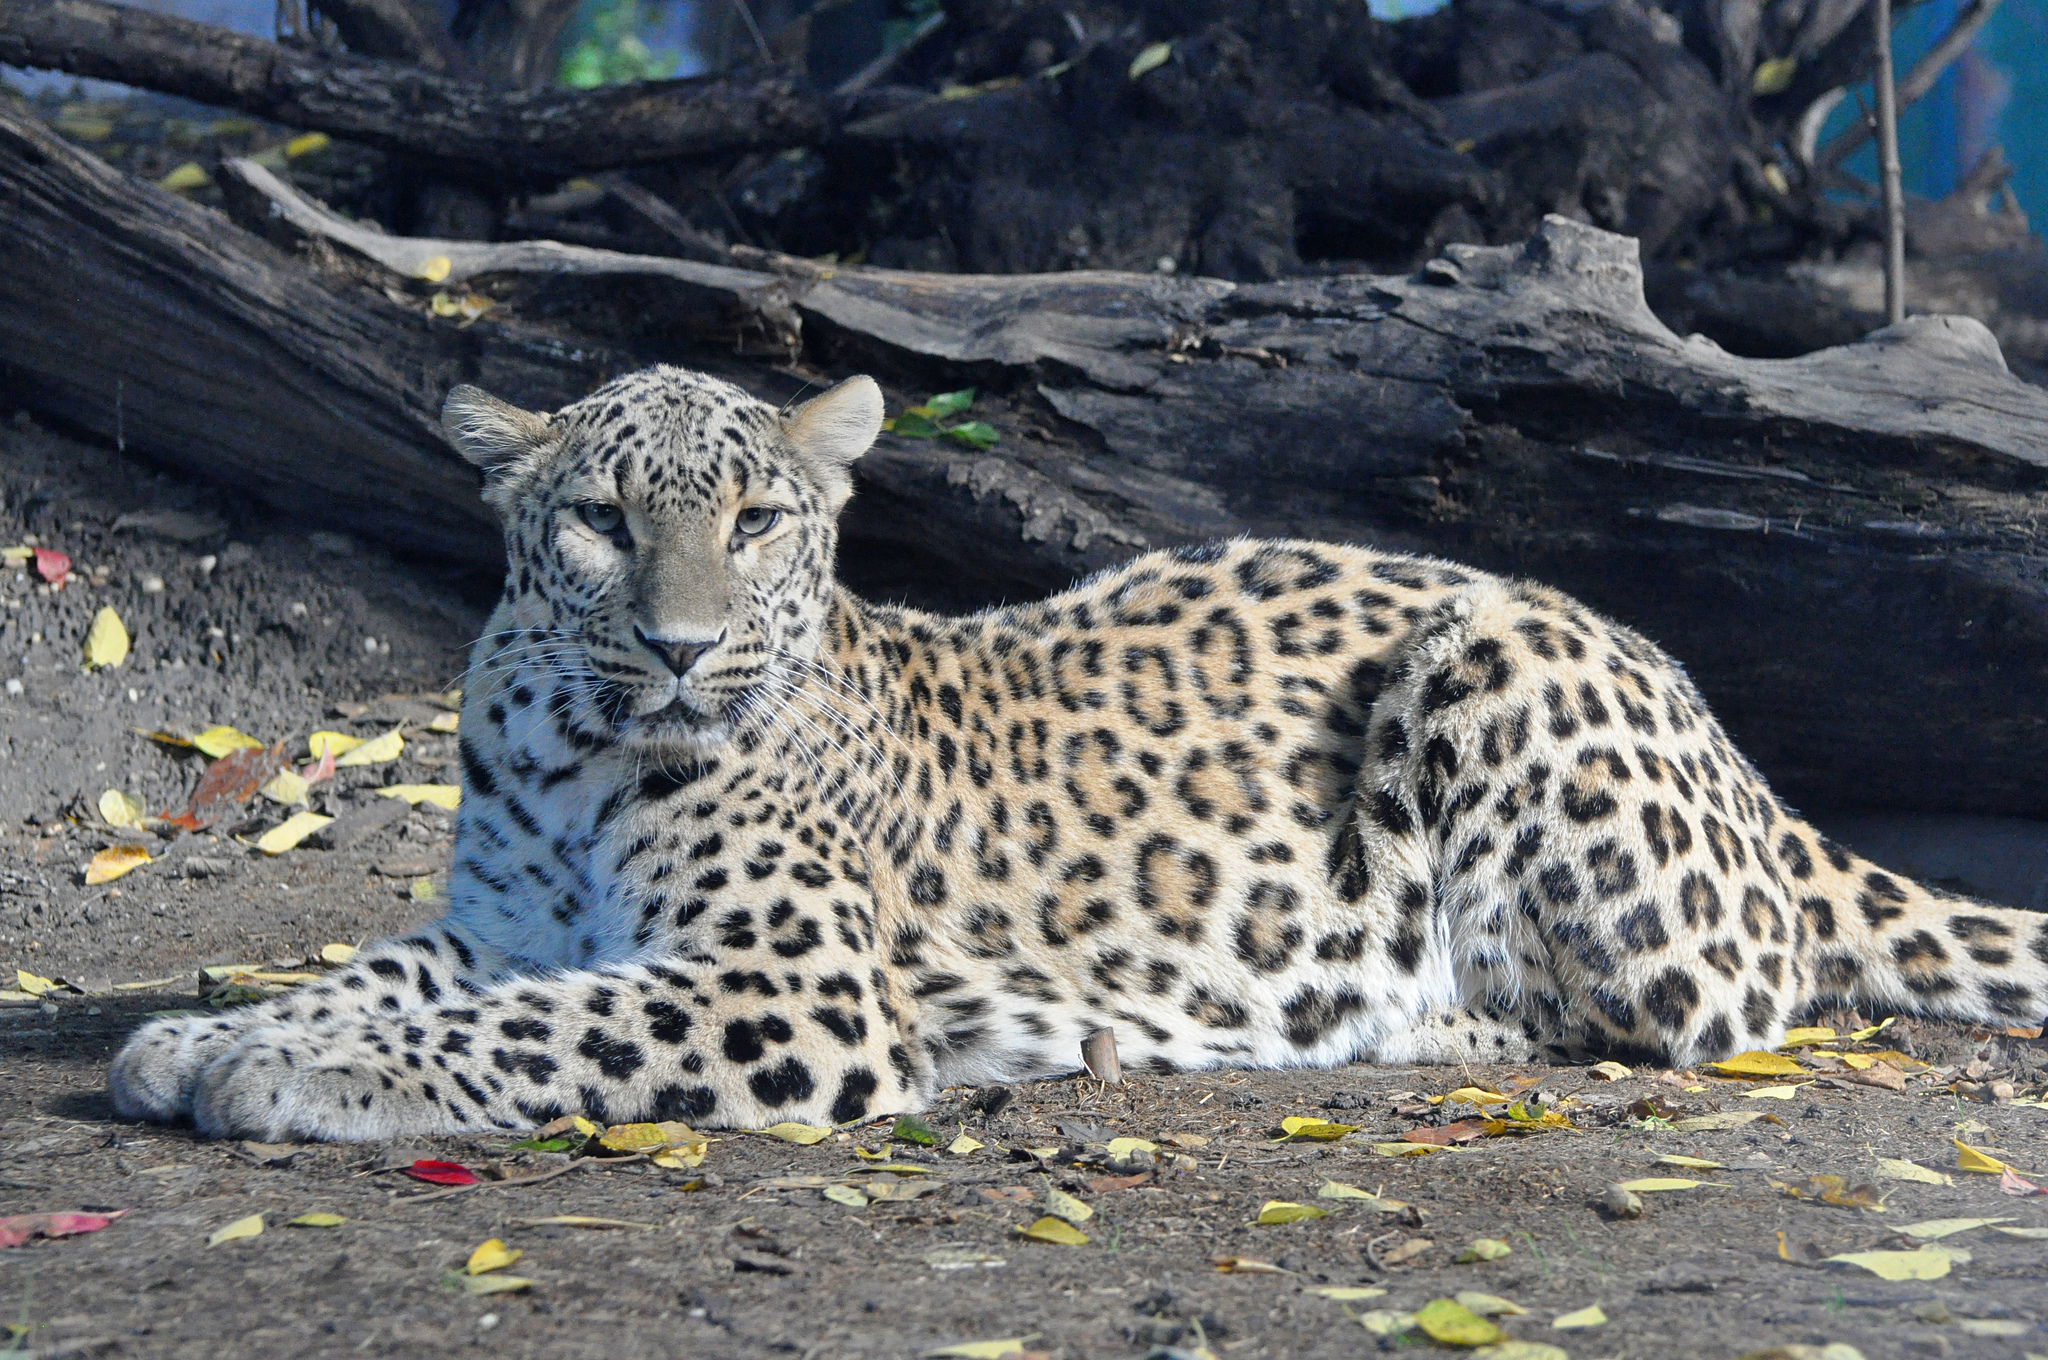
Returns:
point(278, 629)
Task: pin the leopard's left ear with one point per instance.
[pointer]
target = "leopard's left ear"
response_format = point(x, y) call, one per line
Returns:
point(833, 430)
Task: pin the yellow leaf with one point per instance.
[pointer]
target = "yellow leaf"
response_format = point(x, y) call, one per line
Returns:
point(337, 954)
point(1726, 1119)
point(33, 985)
point(1928, 1263)
point(1483, 1249)
point(847, 1195)
point(1316, 1130)
point(252, 1226)
point(285, 787)
point(985, 1350)
point(121, 809)
point(1403, 1149)
point(1589, 1316)
point(1453, 1324)
point(434, 268)
point(317, 1221)
point(632, 1138)
point(423, 890)
point(441, 304)
point(1802, 1038)
point(1532, 1350)
point(305, 144)
point(1653, 1183)
point(584, 1221)
point(1776, 1092)
point(1490, 1305)
point(1351, 1293)
point(376, 751)
point(1757, 1063)
point(15, 556)
point(1246, 1265)
point(186, 177)
point(1611, 1071)
point(1933, 1228)
point(1472, 1095)
point(1696, 1163)
point(1773, 76)
point(1898, 1169)
point(1967, 1157)
point(1120, 1148)
point(1386, 1322)
point(486, 1284)
point(1339, 1190)
point(492, 1255)
point(106, 642)
point(447, 796)
point(1880, 1027)
point(801, 1134)
point(1050, 1229)
point(584, 1126)
point(445, 722)
point(1275, 1211)
point(1060, 1204)
point(340, 743)
point(963, 1145)
point(1151, 59)
point(218, 741)
point(287, 834)
point(114, 861)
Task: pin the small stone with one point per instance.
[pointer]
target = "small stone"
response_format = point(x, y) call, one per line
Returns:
point(486, 1322)
point(1621, 1203)
point(15, 689)
point(152, 585)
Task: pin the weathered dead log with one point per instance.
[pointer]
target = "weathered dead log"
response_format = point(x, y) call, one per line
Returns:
point(1844, 547)
point(406, 108)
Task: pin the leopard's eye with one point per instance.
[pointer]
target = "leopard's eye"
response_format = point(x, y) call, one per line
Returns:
point(756, 520)
point(608, 520)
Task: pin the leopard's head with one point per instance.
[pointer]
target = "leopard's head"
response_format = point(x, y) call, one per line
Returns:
point(669, 543)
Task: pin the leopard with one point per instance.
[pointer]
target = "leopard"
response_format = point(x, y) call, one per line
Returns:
point(737, 847)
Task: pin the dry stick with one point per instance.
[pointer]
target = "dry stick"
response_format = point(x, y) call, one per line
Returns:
point(577, 1165)
point(1888, 170)
point(1918, 81)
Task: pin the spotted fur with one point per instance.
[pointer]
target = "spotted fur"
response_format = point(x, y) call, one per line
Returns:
point(736, 846)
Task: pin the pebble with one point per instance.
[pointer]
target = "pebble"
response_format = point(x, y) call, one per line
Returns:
point(1622, 1203)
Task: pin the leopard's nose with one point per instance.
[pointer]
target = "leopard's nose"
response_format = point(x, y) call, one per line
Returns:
point(678, 654)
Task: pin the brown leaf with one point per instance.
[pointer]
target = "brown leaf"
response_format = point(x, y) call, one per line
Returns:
point(1881, 1074)
point(229, 782)
point(1004, 1193)
point(1099, 1184)
point(1444, 1135)
point(1833, 1190)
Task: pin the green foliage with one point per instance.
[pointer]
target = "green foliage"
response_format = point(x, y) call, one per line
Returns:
point(603, 47)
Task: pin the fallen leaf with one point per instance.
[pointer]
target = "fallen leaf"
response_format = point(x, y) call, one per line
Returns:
point(1897, 1169)
point(1483, 1249)
point(219, 741)
point(1386, 1322)
point(2013, 1183)
point(491, 1254)
point(286, 787)
point(1444, 1135)
point(121, 809)
point(1776, 1092)
point(963, 1145)
point(1050, 1229)
point(434, 268)
point(1453, 1324)
point(252, 1226)
point(1120, 1149)
point(1366, 1198)
point(1882, 1075)
point(1933, 1228)
point(949, 1258)
point(1728, 1119)
point(447, 796)
point(1102, 1185)
point(1773, 76)
point(305, 144)
point(441, 1173)
point(1247, 1265)
point(114, 861)
point(1403, 1149)
point(1880, 1027)
point(985, 1350)
point(331, 744)
point(1648, 1184)
point(1970, 1159)
point(583, 1221)
point(287, 834)
point(1490, 1305)
point(1193, 1142)
point(52, 566)
point(1757, 1063)
point(377, 751)
point(191, 175)
point(1696, 1163)
point(1275, 1211)
point(1610, 1071)
point(1530, 1350)
point(106, 642)
point(1060, 1204)
point(1405, 1251)
point(1589, 1316)
point(337, 954)
point(946, 405)
point(1621, 1203)
point(1928, 1263)
point(1351, 1293)
point(1315, 1130)
point(486, 1284)
point(905, 1168)
point(847, 1195)
point(912, 424)
point(975, 434)
point(1151, 58)
point(1008, 1193)
point(228, 782)
point(1473, 1095)
point(1808, 1036)
point(1993, 1326)
point(911, 1129)
point(445, 722)
point(2030, 1234)
point(19, 1228)
point(320, 1220)
point(1833, 1190)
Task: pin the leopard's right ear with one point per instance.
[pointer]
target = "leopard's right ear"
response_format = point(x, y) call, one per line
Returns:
point(495, 435)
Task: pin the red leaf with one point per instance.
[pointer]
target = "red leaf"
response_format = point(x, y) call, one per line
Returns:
point(52, 565)
point(228, 782)
point(1464, 1131)
point(2013, 1183)
point(441, 1173)
point(21, 1227)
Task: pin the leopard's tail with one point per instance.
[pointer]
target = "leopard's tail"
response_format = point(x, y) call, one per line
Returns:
point(1878, 941)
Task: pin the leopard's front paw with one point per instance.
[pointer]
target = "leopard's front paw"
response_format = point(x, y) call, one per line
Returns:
point(296, 1082)
point(153, 1075)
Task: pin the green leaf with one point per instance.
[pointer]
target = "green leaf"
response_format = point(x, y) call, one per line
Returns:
point(548, 1145)
point(949, 403)
point(1453, 1324)
point(977, 434)
point(1275, 1211)
point(847, 1195)
point(912, 425)
point(1151, 59)
point(911, 1129)
point(1484, 1249)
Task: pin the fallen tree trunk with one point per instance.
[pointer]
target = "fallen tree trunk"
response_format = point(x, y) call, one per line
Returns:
point(1843, 547)
point(406, 108)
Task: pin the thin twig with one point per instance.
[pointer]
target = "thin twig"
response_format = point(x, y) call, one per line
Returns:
point(747, 13)
point(1918, 81)
point(1888, 169)
point(514, 1184)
